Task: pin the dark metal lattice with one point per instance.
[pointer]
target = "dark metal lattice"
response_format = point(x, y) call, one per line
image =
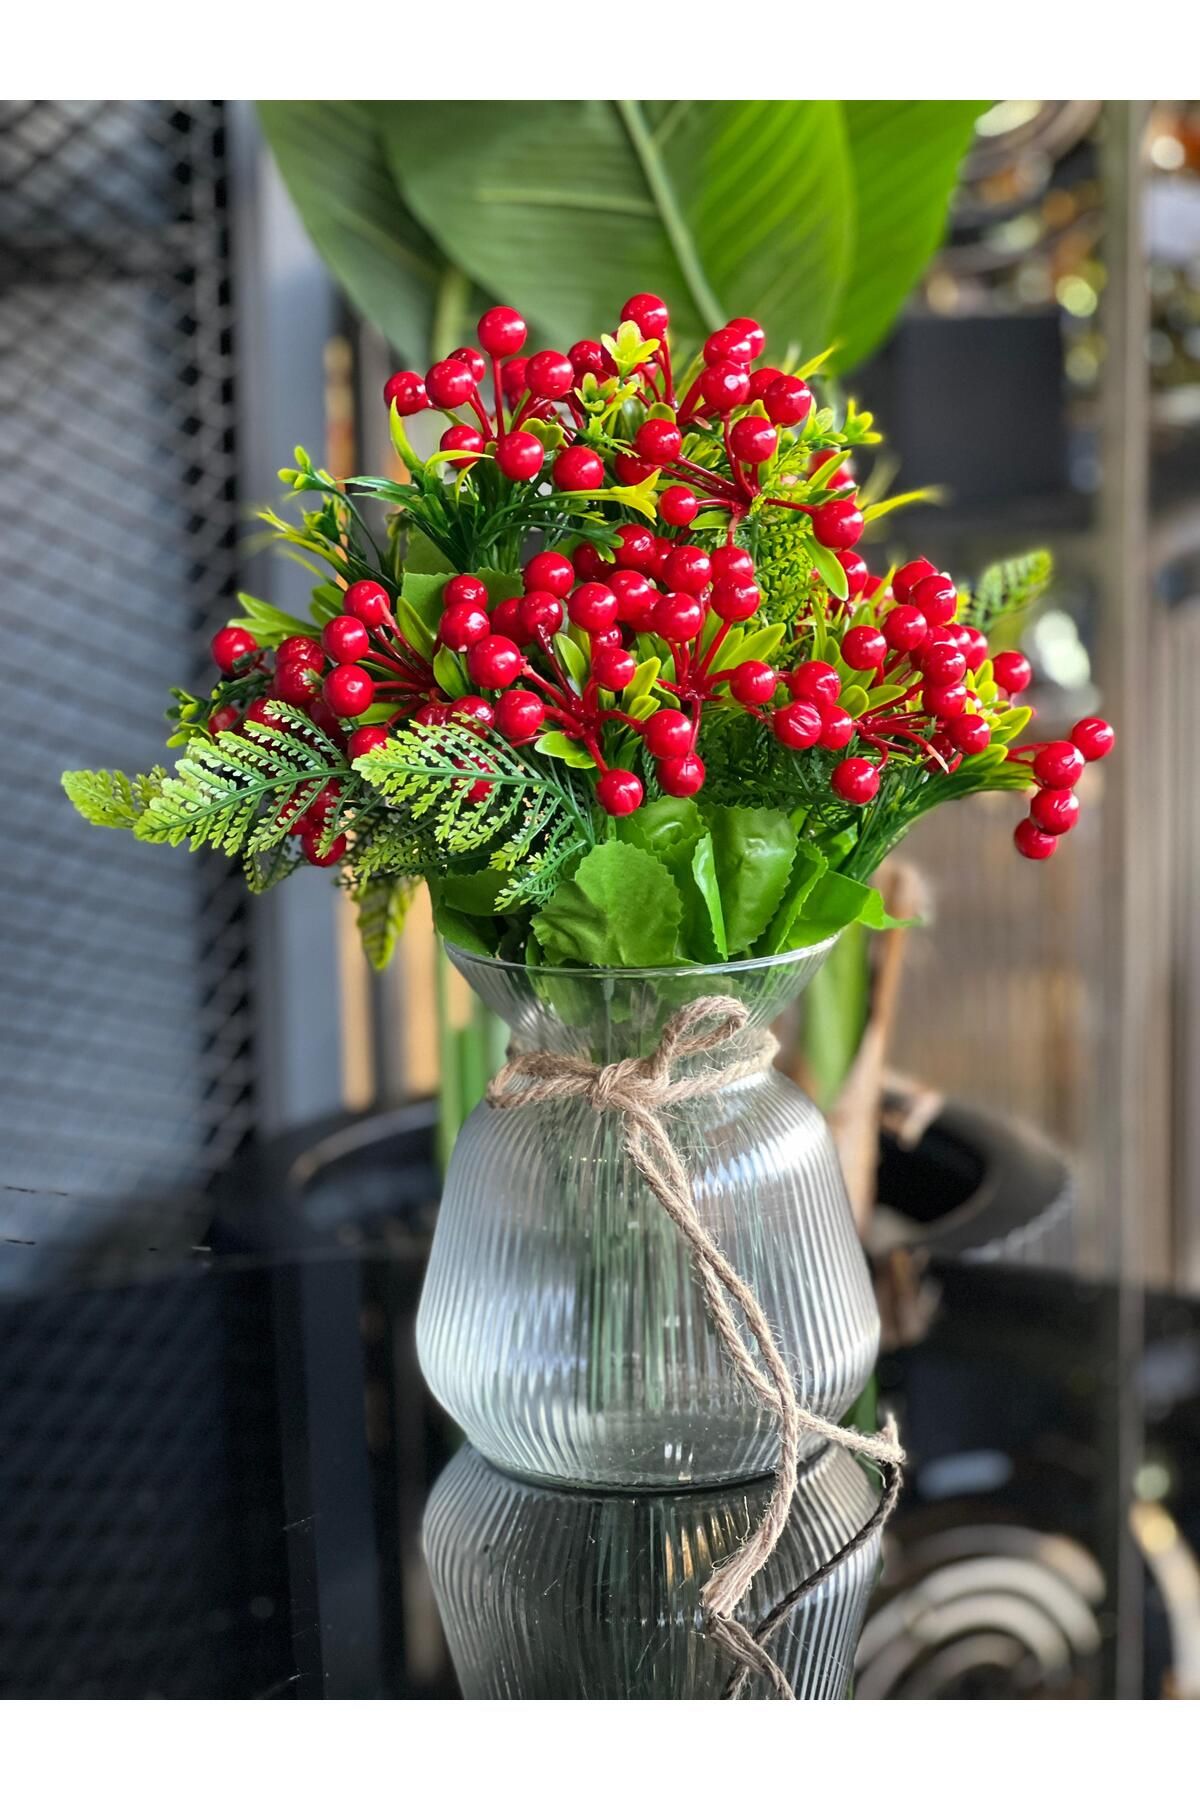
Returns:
point(125, 1025)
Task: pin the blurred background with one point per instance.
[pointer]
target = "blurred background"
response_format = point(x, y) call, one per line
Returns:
point(220, 1128)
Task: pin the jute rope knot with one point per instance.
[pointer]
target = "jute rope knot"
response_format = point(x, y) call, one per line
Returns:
point(639, 1089)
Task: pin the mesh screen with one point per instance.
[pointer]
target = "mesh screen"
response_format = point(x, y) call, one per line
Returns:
point(125, 1029)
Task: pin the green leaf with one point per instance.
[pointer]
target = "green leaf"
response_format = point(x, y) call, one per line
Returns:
point(469, 932)
point(834, 1016)
point(106, 797)
point(332, 158)
point(568, 750)
point(753, 851)
point(423, 593)
point(704, 874)
point(727, 207)
point(472, 893)
point(834, 902)
point(423, 557)
point(381, 907)
point(448, 673)
point(269, 624)
point(418, 634)
point(806, 871)
point(573, 659)
point(904, 157)
point(1008, 588)
point(620, 910)
point(829, 569)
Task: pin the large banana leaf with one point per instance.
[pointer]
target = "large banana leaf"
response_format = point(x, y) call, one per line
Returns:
point(815, 216)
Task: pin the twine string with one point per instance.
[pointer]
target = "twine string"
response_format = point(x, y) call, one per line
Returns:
point(639, 1090)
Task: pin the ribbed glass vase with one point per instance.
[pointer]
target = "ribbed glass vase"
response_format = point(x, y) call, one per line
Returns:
point(562, 1323)
point(551, 1596)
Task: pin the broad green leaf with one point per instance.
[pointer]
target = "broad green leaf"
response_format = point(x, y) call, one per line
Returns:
point(643, 682)
point(473, 893)
point(704, 874)
point(448, 673)
point(829, 569)
point(834, 1016)
point(423, 592)
point(333, 160)
point(834, 902)
point(620, 910)
point(671, 831)
point(566, 207)
point(904, 158)
point(414, 628)
point(469, 931)
point(753, 850)
point(423, 557)
point(565, 749)
point(806, 871)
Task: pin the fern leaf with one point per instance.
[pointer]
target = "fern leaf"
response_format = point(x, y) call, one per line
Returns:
point(1008, 588)
point(107, 797)
point(382, 903)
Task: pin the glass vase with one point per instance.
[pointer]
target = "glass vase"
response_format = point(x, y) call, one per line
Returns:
point(551, 1596)
point(562, 1323)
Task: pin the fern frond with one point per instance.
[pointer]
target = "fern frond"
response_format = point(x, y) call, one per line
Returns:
point(107, 797)
point(381, 904)
point(232, 791)
point(1008, 588)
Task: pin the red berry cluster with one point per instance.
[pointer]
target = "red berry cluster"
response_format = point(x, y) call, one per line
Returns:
point(1057, 766)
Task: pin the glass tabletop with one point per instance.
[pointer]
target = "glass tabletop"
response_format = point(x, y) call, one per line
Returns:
point(221, 1475)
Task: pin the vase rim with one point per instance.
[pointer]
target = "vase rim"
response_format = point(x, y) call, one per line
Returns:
point(606, 971)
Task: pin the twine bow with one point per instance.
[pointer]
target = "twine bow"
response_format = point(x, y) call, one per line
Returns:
point(639, 1089)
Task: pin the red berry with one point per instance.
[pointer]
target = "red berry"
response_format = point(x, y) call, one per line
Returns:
point(973, 645)
point(944, 701)
point(519, 456)
point(520, 715)
point(837, 524)
point(856, 781)
point(969, 733)
point(539, 614)
point(323, 859)
point(680, 776)
point(348, 690)
point(230, 645)
point(637, 548)
point(467, 353)
point(593, 607)
point(619, 792)
point(261, 712)
point(1054, 810)
point(788, 401)
point(937, 597)
point(635, 598)
point(1012, 671)
point(1058, 765)
point(295, 682)
point(689, 568)
point(512, 379)
point(367, 601)
point(755, 440)
point(464, 590)
point(473, 711)
point(734, 598)
point(506, 619)
point(753, 683)
point(648, 313)
point(1036, 845)
point(729, 344)
point(942, 662)
point(612, 666)
point(815, 681)
point(463, 626)
point(658, 441)
point(449, 383)
point(904, 627)
point(631, 471)
point(678, 506)
point(1093, 738)
point(761, 380)
point(550, 573)
point(668, 733)
point(432, 713)
point(678, 617)
point(366, 739)
point(732, 560)
point(798, 726)
point(662, 549)
point(578, 469)
point(905, 580)
point(837, 728)
point(302, 650)
point(587, 357)
point(726, 385)
point(857, 572)
point(501, 331)
point(468, 444)
point(345, 639)
point(589, 564)
point(549, 375)
point(223, 719)
point(406, 392)
point(753, 333)
point(863, 647)
point(494, 662)
point(325, 717)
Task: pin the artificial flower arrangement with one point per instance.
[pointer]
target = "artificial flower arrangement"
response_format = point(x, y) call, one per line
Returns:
point(612, 674)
